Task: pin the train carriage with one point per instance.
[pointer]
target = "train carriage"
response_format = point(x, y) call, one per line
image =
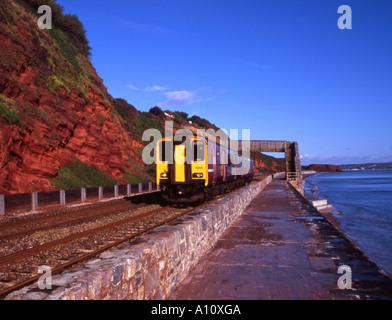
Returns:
point(198, 169)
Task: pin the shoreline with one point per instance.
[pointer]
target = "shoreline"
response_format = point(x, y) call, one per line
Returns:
point(330, 217)
point(356, 170)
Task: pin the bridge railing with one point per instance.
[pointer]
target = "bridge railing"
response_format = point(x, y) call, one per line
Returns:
point(27, 202)
point(292, 176)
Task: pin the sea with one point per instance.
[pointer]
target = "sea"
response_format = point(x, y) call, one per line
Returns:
point(362, 203)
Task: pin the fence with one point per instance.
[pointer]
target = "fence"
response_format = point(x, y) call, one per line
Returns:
point(292, 176)
point(38, 200)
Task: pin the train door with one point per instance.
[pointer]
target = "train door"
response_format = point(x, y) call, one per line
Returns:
point(218, 164)
point(179, 160)
point(233, 165)
point(210, 152)
point(214, 162)
point(224, 165)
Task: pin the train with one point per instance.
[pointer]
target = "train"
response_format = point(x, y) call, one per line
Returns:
point(198, 169)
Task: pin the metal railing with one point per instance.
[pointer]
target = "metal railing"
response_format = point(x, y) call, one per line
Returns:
point(25, 202)
point(292, 176)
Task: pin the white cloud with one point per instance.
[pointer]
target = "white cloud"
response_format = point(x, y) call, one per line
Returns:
point(148, 89)
point(186, 97)
point(182, 97)
point(156, 88)
point(132, 87)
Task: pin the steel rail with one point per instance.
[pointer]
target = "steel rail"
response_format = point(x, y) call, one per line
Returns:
point(46, 246)
point(27, 253)
point(56, 216)
point(81, 219)
point(93, 253)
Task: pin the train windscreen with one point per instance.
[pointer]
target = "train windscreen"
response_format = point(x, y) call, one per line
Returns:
point(198, 151)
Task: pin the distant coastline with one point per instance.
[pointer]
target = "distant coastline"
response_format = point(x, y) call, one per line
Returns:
point(323, 168)
point(348, 167)
point(367, 166)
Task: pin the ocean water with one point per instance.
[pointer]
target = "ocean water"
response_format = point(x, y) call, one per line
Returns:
point(362, 202)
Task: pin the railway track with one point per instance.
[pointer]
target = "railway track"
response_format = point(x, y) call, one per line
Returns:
point(62, 240)
point(25, 227)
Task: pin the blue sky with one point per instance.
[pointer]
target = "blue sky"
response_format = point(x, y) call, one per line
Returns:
point(281, 68)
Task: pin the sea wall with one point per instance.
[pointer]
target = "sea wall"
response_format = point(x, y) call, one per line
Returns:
point(152, 266)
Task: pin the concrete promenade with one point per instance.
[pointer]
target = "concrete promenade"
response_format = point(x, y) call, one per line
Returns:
point(281, 248)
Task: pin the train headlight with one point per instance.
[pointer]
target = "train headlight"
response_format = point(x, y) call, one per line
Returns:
point(164, 175)
point(198, 175)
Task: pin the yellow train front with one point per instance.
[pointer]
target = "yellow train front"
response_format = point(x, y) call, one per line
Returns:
point(182, 177)
point(193, 170)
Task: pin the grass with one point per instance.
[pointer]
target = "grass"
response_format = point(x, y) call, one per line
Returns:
point(66, 48)
point(147, 173)
point(80, 175)
point(143, 122)
point(133, 178)
point(60, 70)
point(9, 112)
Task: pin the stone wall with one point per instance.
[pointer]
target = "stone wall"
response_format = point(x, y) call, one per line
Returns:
point(150, 267)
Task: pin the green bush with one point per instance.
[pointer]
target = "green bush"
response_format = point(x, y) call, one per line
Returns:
point(203, 123)
point(156, 111)
point(80, 175)
point(124, 111)
point(68, 23)
point(66, 49)
point(182, 114)
point(8, 114)
point(143, 122)
point(9, 111)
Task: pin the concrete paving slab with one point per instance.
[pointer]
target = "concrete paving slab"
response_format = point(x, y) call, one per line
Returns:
point(282, 248)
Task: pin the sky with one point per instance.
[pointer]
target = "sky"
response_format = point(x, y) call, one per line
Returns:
point(281, 68)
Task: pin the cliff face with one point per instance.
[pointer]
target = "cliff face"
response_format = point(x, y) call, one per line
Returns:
point(323, 168)
point(268, 164)
point(56, 116)
point(54, 108)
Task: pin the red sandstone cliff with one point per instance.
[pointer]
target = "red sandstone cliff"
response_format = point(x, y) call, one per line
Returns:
point(268, 164)
point(323, 168)
point(55, 110)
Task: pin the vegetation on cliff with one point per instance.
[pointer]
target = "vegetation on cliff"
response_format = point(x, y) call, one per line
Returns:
point(81, 175)
point(69, 24)
point(54, 108)
point(59, 127)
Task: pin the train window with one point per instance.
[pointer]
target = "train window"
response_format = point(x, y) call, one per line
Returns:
point(162, 151)
point(165, 151)
point(198, 151)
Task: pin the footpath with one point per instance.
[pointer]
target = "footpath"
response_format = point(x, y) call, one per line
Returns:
point(281, 248)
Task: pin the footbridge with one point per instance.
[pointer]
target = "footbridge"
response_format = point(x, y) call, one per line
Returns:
point(292, 156)
point(290, 149)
